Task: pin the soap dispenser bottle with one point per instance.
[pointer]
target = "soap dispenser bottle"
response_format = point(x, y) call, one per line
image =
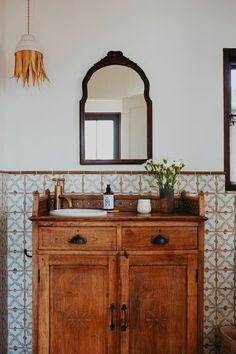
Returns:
point(108, 199)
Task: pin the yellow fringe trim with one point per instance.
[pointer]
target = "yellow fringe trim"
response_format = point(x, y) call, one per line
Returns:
point(29, 62)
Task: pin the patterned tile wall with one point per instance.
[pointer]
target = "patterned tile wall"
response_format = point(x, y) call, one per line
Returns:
point(219, 287)
point(3, 264)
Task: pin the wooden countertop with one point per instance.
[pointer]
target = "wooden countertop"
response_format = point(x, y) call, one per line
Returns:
point(187, 208)
point(122, 216)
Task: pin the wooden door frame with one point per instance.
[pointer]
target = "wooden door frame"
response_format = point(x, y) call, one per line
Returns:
point(229, 56)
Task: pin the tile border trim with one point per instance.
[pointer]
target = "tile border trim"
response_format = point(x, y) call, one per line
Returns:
point(99, 172)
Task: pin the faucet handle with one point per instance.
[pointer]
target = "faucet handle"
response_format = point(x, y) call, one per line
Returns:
point(58, 180)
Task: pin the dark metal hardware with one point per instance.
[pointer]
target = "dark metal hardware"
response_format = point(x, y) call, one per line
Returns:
point(77, 239)
point(124, 324)
point(232, 118)
point(159, 240)
point(126, 254)
point(112, 309)
point(26, 253)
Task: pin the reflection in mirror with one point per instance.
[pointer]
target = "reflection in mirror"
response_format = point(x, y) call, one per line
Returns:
point(115, 113)
point(98, 146)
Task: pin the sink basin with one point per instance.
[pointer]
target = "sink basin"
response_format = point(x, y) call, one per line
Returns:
point(78, 212)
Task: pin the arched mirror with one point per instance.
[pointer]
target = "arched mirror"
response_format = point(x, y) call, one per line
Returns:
point(115, 113)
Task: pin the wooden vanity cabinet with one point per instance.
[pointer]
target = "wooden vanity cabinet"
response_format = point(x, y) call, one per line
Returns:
point(133, 297)
point(128, 285)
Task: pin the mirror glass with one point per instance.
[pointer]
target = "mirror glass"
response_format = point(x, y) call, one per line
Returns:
point(115, 113)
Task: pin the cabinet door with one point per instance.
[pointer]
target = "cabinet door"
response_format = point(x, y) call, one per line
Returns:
point(160, 293)
point(75, 297)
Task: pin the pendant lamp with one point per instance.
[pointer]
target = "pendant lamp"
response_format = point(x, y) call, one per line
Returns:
point(29, 58)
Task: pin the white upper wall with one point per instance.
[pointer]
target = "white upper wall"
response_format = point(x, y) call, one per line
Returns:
point(177, 43)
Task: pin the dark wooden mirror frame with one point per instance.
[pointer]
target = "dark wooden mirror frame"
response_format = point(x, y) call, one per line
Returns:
point(114, 58)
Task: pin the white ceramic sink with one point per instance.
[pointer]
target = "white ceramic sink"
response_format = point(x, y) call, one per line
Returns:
point(78, 212)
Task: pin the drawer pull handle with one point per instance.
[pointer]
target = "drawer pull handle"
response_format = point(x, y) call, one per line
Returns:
point(78, 240)
point(112, 309)
point(124, 324)
point(159, 240)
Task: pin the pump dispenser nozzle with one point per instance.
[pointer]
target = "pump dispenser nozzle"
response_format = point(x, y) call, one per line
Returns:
point(108, 189)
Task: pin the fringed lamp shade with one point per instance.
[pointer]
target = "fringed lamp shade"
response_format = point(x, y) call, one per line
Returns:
point(29, 61)
point(29, 58)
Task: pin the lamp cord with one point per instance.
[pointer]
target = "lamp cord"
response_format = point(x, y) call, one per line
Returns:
point(28, 17)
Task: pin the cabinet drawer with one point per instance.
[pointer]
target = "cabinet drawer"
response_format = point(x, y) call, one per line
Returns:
point(155, 238)
point(84, 238)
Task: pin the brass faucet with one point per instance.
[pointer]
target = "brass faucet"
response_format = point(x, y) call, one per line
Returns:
point(59, 194)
